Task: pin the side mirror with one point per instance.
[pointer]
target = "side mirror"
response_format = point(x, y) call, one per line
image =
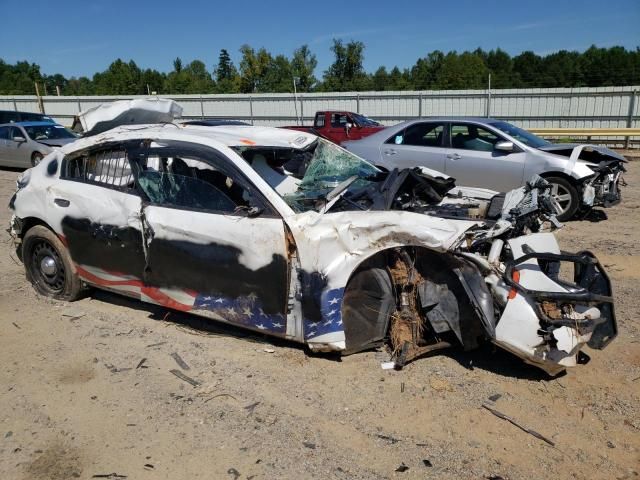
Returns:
point(504, 146)
point(19, 139)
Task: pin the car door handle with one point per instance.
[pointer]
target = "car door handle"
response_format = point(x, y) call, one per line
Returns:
point(454, 156)
point(61, 202)
point(390, 152)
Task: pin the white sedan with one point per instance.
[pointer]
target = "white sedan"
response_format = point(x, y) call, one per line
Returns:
point(207, 220)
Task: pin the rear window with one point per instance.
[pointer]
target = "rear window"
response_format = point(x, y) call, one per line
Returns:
point(8, 117)
point(109, 168)
point(34, 117)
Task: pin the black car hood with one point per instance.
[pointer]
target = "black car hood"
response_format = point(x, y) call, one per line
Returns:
point(590, 153)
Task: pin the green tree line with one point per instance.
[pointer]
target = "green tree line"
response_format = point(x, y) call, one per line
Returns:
point(260, 71)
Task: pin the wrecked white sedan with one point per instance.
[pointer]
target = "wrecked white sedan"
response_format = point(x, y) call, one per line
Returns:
point(206, 220)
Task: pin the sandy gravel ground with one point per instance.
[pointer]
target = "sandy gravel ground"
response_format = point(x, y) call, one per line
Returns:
point(77, 400)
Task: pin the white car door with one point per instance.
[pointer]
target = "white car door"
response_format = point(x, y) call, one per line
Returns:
point(214, 246)
point(98, 210)
point(418, 145)
point(473, 161)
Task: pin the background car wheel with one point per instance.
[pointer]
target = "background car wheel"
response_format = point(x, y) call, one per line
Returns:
point(36, 158)
point(566, 195)
point(48, 265)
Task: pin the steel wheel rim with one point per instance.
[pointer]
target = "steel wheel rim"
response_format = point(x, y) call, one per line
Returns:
point(47, 267)
point(562, 196)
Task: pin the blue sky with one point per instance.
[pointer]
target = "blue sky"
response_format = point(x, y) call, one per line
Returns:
point(82, 37)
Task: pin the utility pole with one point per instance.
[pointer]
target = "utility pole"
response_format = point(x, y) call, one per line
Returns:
point(58, 90)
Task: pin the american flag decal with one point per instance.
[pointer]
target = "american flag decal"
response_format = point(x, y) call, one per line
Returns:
point(331, 312)
point(245, 310)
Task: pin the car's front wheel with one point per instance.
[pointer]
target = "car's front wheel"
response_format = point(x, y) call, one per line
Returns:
point(48, 265)
point(566, 196)
point(368, 303)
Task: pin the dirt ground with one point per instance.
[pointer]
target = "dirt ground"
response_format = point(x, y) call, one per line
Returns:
point(86, 390)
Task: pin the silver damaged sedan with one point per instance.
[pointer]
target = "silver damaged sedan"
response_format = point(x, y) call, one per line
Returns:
point(24, 144)
point(490, 153)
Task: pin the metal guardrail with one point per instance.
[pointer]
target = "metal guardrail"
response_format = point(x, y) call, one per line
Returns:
point(587, 132)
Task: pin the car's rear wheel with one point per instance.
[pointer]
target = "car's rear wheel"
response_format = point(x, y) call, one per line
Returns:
point(36, 158)
point(48, 265)
point(566, 195)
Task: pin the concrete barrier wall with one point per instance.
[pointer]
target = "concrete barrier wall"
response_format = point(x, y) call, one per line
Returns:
point(603, 107)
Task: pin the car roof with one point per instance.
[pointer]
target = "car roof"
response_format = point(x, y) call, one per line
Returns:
point(454, 118)
point(228, 136)
point(214, 122)
point(249, 135)
point(31, 124)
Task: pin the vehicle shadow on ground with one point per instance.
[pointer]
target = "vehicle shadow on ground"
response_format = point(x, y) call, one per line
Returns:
point(188, 322)
point(487, 357)
point(499, 362)
point(594, 216)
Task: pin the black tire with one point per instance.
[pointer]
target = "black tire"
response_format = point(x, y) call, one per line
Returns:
point(566, 195)
point(369, 301)
point(36, 158)
point(48, 265)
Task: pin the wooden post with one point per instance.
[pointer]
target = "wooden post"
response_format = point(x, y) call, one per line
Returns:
point(40, 102)
point(632, 105)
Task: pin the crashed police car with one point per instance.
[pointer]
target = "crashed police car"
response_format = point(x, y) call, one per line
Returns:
point(208, 220)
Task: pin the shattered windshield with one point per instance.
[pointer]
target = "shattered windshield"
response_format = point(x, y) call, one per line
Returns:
point(332, 164)
point(329, 166)
point(521, 135)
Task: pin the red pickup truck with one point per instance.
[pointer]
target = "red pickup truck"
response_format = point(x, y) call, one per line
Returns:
point(340, 126)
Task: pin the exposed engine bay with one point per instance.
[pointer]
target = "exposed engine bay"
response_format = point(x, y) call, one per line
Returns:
point(425, 308)
point(601, 188)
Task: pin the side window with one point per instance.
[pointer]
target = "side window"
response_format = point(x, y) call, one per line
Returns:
point(15, 132)
point(106, 167)
point(338, 120)
point(319, 123)
point(472, 137)
point(397, 138)
point(180, 179)
point(420, 135)
point(4, 133)
point(34, 117)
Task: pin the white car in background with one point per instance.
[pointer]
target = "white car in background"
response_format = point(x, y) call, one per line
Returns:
point(205, 220)
point(490, 153)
